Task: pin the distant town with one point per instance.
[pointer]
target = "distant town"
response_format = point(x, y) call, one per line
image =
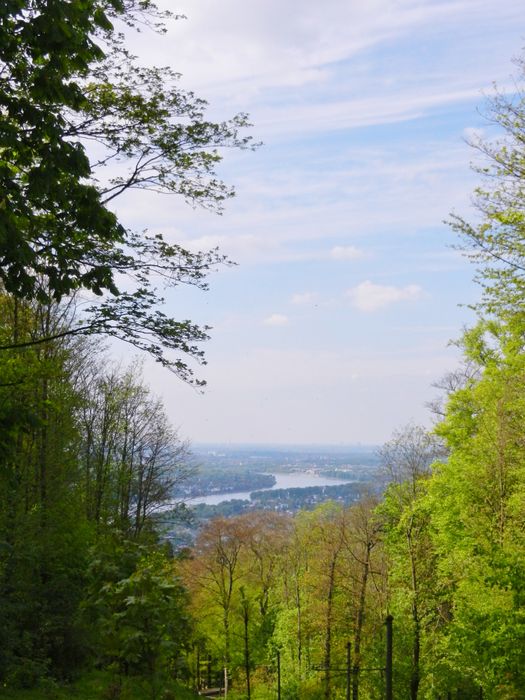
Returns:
point(231, 480)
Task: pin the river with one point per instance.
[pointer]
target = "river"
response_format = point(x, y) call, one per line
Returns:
point(282, 481)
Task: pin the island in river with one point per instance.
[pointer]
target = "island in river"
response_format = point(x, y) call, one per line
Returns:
point(234, 480)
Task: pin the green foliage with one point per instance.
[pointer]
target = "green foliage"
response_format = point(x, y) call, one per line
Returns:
point(496, 243)
point(479, 529)
point(308, 585)
point(141, 617)
point(86, 456)
point(42, 565)
point(67, 80)
point(48, 622)
point(46, 49)
point(132, 460)
point(443, 553)
point(99, 685)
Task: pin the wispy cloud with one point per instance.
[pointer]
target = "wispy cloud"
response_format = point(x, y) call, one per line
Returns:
point(327, 216)
point(243, 48)
point(388, 108)
point(363, 109)
point(276, 320)
point(346, 252)
point(304, 298)
point(369, 297)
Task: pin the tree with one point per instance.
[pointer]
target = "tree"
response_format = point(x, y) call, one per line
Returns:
point(478, 531)
point(42, 526)
point(496, 243)
point(323, 532)
point(141, 613)
point(131, 459)
point(407, 458)
point(214, 575)
point(76, 466)
point(477, 509)
point(363, 567)
point(66, 80)
point(451, 382)
point(289, 632)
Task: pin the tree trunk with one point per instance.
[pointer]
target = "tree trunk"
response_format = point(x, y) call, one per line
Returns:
point(416, 646)
point(328, 632)
point(360, 618)
point(299, 627)
point(246, 645)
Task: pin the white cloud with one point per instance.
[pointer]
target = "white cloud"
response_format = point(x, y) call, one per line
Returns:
point(304, 298)
point(247, 47)
point(347, 252)
point(276, 320)
point(368, 296)
point(355, 113)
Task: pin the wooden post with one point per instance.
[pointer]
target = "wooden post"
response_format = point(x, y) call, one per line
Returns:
point(388, 665)
point(278, 675)
point(198, 668)
point(348, 669)
point(246, 645)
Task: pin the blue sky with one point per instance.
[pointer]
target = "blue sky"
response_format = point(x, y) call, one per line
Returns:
point(336, 320)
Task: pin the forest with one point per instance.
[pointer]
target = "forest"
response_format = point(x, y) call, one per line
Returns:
point(95, 600)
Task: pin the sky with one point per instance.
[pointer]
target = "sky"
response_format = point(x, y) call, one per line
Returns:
point(338, 316)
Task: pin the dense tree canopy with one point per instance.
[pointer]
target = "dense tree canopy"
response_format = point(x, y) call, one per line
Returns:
point(75, 104)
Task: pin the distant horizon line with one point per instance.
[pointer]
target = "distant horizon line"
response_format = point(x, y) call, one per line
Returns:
point(288, 445)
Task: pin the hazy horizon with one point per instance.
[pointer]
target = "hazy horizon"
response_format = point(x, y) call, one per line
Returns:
point(284, 446)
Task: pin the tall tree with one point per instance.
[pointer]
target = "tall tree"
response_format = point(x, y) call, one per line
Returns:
point(76, 465)
point(66, 80)
point(495, 243)
point(483, 478)
point(41, 521)
point(139, 605)
point(214, 575)
point(477, 508)
point(131, 458)
point(407, 458)
point(362, 569)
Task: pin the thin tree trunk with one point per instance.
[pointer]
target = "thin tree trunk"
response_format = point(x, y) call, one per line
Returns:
point(328, 633)
point(226, 623)
point(299, 627)
point(416, 646)
point(246, 645)
point(360, 618)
